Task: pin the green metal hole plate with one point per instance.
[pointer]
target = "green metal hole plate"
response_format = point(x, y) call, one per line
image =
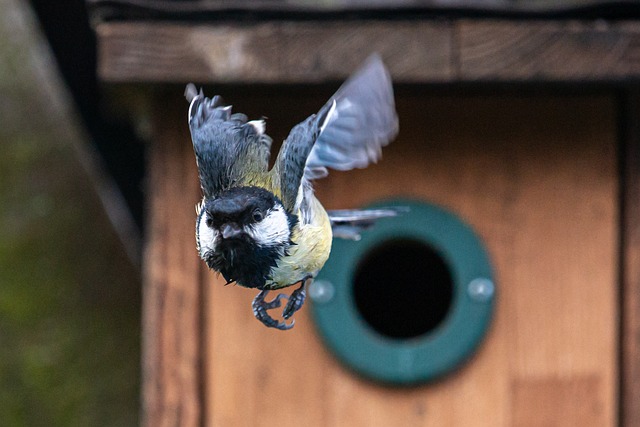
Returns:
point(426, 357)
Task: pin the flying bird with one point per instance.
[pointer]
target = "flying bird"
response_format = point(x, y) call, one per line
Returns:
point(264, 228)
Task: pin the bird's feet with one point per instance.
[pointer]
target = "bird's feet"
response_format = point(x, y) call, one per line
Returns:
point(296, 300)
point(260, 307)
point(294, 303)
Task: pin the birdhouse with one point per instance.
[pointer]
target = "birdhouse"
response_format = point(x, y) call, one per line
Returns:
point(507, 293)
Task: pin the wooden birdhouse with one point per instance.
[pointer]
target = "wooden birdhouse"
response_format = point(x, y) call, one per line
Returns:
point(506, 296)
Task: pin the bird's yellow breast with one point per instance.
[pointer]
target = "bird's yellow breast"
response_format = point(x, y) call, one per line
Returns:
point(309, 253)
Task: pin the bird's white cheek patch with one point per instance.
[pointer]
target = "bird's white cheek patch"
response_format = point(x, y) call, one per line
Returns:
point(273, 229)
point(206, 236)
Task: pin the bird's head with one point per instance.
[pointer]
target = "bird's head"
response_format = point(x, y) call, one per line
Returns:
point(243, 228)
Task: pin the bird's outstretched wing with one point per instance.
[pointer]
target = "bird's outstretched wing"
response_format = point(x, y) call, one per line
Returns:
point(292, 159)
point(348, 224)
point(348, 132)
point(228, 147)
point(361, 121)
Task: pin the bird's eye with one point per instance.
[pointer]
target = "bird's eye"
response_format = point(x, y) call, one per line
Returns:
point(209, 222)
point(257, 216)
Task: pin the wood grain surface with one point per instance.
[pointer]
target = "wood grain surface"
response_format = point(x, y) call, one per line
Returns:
point(416, 51)
point(548, 50)
point(269, 52)
point(630, 369)
point(536, 177)
point(172, 293)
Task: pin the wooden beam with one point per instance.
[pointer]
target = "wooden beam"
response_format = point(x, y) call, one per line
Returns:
point(172, 368)
point(272, 52)
point(567, 51)
point(630, 337)
point(416, 51)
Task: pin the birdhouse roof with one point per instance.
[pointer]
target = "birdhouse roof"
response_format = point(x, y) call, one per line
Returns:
point(216, 9)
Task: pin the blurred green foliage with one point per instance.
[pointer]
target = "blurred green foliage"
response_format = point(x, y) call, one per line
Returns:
point(69, 296)
point(69, 299)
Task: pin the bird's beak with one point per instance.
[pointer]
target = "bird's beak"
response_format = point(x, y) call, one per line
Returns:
point(230, 230)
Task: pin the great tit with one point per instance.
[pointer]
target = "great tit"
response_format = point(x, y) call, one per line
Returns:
point(264, 228)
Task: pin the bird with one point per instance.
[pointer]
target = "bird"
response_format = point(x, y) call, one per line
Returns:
point(264, 228)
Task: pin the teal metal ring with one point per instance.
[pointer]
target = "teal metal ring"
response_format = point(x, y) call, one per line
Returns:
point(425, 357)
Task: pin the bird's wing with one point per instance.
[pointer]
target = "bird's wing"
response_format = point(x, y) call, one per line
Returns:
point(292, 158)
point(348, 132)
point(348, 224)
point(362, 119)
point(228, 147)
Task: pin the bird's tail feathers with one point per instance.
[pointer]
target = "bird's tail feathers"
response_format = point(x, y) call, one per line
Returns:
point(349, 223)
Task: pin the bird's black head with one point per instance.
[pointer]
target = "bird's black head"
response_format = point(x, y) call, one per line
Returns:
point(242, 233)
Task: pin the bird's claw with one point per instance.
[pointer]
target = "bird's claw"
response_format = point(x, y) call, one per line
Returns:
point(294, 303)
point(296, 300)
point(260, 307)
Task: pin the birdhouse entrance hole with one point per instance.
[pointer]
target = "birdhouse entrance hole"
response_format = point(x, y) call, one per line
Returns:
point(403, 288)
point(411, 300)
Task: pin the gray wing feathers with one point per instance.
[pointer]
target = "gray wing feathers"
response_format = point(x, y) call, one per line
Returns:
point(348, 224)
point(360, 121)
point(348, 132)
point(226, 145)
point(292, 159)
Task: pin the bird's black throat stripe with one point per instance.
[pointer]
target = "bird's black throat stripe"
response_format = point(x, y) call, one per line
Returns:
point(245, 262)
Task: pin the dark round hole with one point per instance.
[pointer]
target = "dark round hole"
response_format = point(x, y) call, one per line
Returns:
point(403, 288)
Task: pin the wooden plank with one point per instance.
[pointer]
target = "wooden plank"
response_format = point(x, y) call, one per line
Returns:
point(539, 184)
point(416, 51)
point(272, 52)
point(537, 179)
point(557, 402)
point(548, 50)
point(172, 293)
point(630, 369)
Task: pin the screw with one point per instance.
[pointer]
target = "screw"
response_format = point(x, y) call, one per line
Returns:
point(321, 291)
point(481, 289)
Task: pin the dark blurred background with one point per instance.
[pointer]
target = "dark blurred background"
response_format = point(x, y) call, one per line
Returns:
point(70, 221)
